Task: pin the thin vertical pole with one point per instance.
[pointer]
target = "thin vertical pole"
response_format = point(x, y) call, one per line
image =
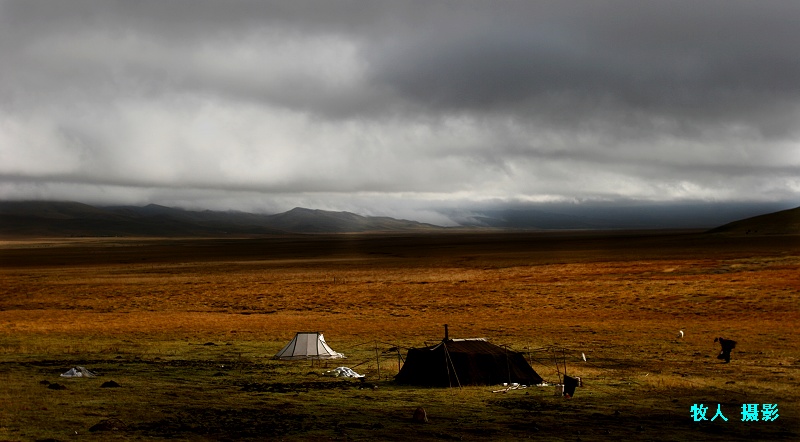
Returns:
point(399, 360)
point(378, 359)
point(558, 366)
point(449, 360)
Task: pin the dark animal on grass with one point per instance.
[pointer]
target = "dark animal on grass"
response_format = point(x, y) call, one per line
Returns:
point(112, 424)
point(420, 415)
point(727, 346)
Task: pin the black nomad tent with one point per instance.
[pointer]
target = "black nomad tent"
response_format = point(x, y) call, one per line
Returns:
point(457, 362)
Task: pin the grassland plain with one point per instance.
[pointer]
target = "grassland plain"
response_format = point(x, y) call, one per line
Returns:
point(187, 327)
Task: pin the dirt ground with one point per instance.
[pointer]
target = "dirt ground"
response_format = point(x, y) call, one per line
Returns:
point(187, 328)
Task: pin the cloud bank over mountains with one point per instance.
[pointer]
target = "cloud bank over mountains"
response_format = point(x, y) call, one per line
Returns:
point(405, 109)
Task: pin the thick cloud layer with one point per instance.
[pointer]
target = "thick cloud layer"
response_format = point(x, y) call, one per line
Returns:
point(399, 108)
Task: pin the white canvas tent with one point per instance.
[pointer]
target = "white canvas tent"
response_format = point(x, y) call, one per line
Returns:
point(307, 345)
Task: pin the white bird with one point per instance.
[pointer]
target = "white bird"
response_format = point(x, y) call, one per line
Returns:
point(680, 334)
point(583, 356)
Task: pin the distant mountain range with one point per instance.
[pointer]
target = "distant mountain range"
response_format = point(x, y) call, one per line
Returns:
point(46, 218)
point(63, 219)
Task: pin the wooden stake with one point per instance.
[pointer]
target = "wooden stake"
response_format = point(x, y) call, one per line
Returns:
point(378, 359)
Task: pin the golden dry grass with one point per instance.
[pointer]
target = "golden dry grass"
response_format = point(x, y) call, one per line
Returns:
point(618, 298)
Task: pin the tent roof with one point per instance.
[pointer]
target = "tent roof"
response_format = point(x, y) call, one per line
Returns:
point(472, 346)
point(307, 345)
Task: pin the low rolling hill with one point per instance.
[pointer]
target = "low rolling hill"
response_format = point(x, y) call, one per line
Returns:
point(785, 222)
point(51, 219)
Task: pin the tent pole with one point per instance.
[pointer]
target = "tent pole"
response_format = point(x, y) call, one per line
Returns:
point(378, 359)
point(558, 366)
point(508, 365)
point(450, 360)
point(447, 366)
point(399, 360)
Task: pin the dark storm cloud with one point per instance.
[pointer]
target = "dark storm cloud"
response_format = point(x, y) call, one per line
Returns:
point(365, 104)
point(710, 62)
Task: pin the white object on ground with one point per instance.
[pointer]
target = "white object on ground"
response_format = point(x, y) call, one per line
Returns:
point(343, 372)
point(509, 387)
point(78, 372)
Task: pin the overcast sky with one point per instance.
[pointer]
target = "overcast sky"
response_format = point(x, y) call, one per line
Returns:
point(399, 107)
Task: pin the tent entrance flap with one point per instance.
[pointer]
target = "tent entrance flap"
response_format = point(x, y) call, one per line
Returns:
point(307, 345)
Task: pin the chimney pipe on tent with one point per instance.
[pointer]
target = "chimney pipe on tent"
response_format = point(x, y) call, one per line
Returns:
point(446, 334)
